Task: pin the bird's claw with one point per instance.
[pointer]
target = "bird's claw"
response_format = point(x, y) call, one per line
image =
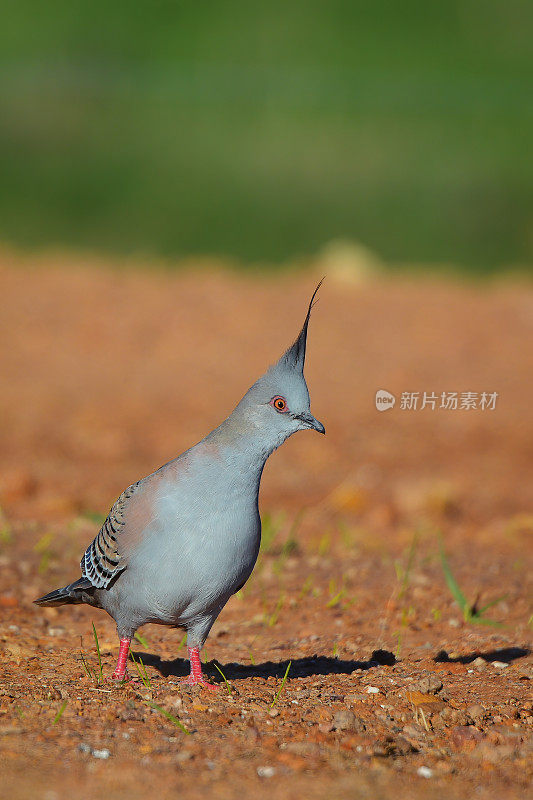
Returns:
point(195, 680)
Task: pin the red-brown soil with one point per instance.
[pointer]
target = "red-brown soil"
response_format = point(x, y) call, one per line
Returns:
point(108, 373)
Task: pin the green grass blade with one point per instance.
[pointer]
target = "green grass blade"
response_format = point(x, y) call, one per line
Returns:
point(141, 671)
point(101, 679)
point(85, 667)
point(283, 682)
point(452, 584)
point(407, 573)
point(277, 610)
point(484, 621)
point(306, 587)
point(169, 716)
point(334, 601)
point(141, 640)
point(60, 712)
point(270, 528)
point(228, 687)
point(469, 615)
point(291, 543)
point(492, 603)
point(91, 674)
point(145, 673)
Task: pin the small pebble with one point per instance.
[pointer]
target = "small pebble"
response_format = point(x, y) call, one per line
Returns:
point(347, 721)
point(429, 684)
point(500, 664)
point(424, 772)
point(372, 690)
point(101, 753)
point(266, 772)
point(475, 711)
point(344, 720)
point(57, 630)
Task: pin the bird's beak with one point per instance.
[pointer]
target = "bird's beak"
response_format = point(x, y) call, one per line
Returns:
point(311, 422)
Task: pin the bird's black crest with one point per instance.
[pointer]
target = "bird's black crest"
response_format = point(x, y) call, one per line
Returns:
point(295, 355)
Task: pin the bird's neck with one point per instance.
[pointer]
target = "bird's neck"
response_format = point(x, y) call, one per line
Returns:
point(240, 440)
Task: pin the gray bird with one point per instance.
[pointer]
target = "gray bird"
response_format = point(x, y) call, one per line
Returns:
point(179, 543)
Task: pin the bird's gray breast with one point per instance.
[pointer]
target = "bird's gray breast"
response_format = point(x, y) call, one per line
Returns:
point(200, 543)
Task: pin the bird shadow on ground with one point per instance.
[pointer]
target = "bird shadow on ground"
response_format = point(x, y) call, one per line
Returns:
point(300, 667)
point(506, 655)
point(316, 665)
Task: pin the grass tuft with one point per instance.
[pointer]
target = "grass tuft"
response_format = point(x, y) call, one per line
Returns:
point(141, 671)
point(471, 612)
point(335, 596)
point(89, 671)
point(324, 545)
point(42, 547)
point(273, 618)
point(283, 682)
point(168, 716)
point(101, 676)
point(404, 574)
point(270, 528)
point(306, 588)
point(6, 534)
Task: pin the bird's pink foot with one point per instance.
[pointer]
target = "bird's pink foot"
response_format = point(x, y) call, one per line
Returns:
point(124, 678)
point(197, 678)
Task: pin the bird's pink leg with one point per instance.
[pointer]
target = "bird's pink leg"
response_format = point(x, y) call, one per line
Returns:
point(121, 673)
point(197, 678)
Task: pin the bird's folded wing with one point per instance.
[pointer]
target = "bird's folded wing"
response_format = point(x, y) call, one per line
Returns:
point(103, 560)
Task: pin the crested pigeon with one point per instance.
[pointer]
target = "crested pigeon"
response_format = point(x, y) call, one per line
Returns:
point(179, 543)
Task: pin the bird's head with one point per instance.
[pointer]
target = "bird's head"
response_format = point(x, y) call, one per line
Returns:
point(278, 403)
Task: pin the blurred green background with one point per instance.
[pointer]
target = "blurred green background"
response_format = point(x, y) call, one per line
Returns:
point(263, 130)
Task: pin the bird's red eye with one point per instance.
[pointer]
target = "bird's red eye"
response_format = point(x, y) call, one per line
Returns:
point(279, 403)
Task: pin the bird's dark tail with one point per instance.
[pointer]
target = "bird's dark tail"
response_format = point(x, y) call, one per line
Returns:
point(73, 593)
